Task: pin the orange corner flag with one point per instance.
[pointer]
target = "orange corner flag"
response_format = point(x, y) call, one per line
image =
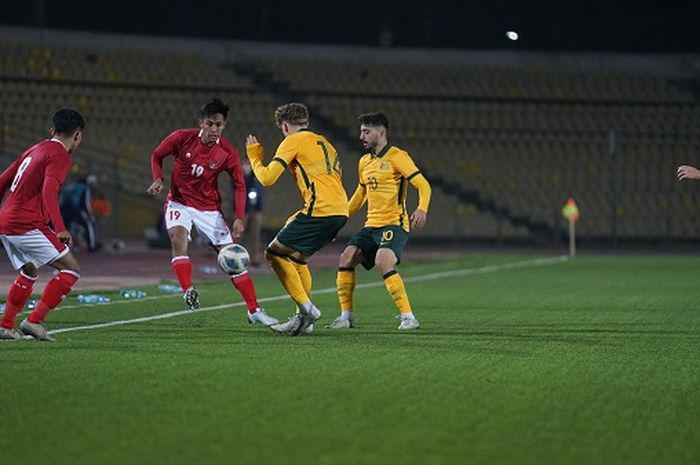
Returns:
point(570, 210)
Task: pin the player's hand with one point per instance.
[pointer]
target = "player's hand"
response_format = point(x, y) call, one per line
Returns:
point(238, 228)
point(64, 237)
point(253, 148)
point(418, 219)
point(687, 172)
point(155, 188)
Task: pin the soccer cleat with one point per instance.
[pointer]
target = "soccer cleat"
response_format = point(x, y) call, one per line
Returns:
point(291, 327)
point(9, 335)
point(408, 324)
point(341, 323)
point(309, 329)
point(35, 330)
point(261, 317)
point(191, 297)
point(308, 318)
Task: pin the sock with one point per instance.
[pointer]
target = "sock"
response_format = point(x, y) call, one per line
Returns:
point(17, 297)
point(345, 282)
point(245, 286)
point(55, 291)
point(346, 315)
point(397, 291)
point(305, 276)
point(288, 276)
point(182, 266)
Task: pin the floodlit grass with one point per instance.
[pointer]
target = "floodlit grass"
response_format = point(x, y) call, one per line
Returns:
point(595, 360)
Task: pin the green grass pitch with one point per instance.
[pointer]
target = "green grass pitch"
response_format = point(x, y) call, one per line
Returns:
point(588, 361)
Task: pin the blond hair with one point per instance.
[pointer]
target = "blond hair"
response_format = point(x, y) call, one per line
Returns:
point(292, 113)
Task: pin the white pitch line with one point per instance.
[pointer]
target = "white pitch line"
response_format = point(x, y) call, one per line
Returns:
point(427, 277)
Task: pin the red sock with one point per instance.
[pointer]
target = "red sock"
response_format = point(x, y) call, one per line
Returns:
point(17, 296)
point(55, 291)
point(245, 286)
point(182, 266)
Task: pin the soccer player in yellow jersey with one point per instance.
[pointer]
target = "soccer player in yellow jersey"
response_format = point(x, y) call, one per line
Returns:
point(384, 175)
point(315, 165)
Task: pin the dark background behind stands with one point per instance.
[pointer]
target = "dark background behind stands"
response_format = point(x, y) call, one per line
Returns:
point(573, 25)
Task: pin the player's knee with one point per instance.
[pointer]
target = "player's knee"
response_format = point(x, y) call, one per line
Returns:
point(299, 258)
point(178, 234)
point(72, 266)
point(75, 269)
point(385, 260)
point(67, 263)
point(346, 259)
point(350, 257)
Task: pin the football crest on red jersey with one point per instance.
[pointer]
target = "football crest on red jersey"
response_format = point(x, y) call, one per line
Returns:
point(188, 155)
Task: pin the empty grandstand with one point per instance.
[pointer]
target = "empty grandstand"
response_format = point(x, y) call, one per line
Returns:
point(505, 139)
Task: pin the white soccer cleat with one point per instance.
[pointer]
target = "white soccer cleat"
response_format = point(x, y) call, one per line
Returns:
point(35, 330)
point(408, 324)
point(9, 335)
point(341, 323)
point(290, 327)
point(309, 316)
point(309, 329)
point(191, 298)
point(261, 317)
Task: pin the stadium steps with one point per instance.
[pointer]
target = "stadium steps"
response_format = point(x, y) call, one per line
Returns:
point(273, 84)
point(690, 86)
point(270, 83)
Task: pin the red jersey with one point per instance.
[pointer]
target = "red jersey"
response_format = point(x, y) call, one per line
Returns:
point(196, 170)
point(33, 181)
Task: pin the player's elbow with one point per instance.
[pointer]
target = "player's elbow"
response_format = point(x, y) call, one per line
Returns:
point(266, 182)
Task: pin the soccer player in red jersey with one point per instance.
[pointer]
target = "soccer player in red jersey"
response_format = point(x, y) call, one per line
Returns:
point(200, 156)
point(29, 219)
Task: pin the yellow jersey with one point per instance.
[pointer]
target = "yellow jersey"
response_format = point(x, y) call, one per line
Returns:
point(383, 182)
point(315, 165)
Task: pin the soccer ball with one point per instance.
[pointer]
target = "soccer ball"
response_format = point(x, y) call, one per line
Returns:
point(233, 259)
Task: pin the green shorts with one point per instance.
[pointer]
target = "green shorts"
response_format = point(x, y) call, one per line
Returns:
point(308, 234)
point(370, 240)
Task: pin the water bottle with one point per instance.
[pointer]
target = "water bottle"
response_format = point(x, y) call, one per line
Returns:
point(93, 299)
point(132, 293)
point(170, 288)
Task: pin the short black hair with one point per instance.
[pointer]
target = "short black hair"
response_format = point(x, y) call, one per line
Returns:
point(67, 121)
point(212, 107)
point(375, 119)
